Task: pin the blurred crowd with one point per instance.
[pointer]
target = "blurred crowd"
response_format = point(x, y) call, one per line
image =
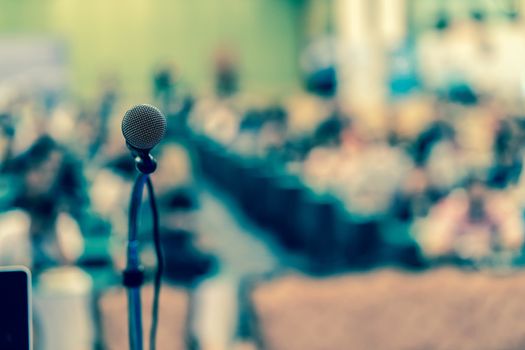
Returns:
point(441, 162)
point(66, 178)
point(433, 159)
point(436, 162)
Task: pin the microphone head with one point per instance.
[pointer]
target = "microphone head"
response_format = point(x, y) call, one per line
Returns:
point(143, 127)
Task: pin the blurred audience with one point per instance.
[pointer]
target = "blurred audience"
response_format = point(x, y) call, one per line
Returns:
point(441, 164)
point(418, 182)
point(47, 183)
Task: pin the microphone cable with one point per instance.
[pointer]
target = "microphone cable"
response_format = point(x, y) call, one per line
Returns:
point(160, 266)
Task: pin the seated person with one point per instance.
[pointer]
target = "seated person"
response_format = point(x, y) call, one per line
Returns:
point(472, 224)
point(47, 184)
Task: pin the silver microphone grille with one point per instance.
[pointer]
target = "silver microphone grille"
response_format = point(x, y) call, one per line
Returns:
point(143, 126)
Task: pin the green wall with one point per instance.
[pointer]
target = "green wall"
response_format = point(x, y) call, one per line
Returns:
point(130, 37)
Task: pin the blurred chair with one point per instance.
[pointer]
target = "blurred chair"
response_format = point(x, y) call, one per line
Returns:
point(15, 244)
point(388, 310)
point(63, 310)
point(284, 200)
point(317, 221)
point(173, 318)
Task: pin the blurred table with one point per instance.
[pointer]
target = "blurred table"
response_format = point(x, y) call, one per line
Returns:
point(439, 309)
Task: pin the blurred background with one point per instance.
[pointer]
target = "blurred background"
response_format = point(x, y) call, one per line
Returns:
point(336, 174)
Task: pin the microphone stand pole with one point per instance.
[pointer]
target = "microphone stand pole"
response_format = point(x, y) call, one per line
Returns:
point(133, 275)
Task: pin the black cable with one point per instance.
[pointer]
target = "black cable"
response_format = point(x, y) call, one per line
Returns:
point(160, 267)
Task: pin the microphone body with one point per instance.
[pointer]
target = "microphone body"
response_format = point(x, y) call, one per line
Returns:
point(143, 127)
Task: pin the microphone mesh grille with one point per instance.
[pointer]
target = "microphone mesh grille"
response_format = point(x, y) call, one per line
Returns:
point(143, 126)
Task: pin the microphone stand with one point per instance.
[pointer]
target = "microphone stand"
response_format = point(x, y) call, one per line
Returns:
point(133, 275)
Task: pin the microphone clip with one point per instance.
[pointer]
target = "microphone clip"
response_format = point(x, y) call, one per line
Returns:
point(144, 161)
point(146, 165)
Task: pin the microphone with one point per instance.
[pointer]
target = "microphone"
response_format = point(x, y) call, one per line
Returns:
point(143, 127)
